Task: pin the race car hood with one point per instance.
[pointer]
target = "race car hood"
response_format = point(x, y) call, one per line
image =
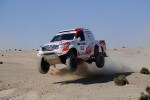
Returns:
point(52, 46)
point(57, 42)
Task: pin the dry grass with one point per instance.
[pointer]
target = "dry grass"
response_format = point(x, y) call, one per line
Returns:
point(145, 96)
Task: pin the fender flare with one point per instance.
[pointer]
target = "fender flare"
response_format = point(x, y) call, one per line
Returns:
point(96, 49)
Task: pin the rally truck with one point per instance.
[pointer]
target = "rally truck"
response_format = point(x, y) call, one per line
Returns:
point(69, 47)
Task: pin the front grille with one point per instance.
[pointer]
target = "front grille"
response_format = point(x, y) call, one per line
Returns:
point(50, 47)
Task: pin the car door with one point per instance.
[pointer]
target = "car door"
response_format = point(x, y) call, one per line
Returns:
point(81, 45)
point(89, 43)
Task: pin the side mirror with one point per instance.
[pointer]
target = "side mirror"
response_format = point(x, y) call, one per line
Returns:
point(74, 39)
point(79, 39)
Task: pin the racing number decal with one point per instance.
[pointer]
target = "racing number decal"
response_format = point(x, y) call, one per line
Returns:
point(81, 47)
point(81, 50)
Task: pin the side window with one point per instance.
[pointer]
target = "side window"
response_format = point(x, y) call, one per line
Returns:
point(81, 35)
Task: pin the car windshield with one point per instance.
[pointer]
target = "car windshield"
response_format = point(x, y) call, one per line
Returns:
point(61, 37)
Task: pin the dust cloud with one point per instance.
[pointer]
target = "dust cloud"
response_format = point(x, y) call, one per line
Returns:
point(82, 71)
point(119, 61)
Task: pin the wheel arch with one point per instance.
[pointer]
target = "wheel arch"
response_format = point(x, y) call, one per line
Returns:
point(72, 50)
point(96, 49)
point(64, 57)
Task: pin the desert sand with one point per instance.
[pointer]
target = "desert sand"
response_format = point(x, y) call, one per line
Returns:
point(20, 79)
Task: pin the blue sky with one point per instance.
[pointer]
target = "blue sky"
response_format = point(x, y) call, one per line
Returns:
point(26, 24)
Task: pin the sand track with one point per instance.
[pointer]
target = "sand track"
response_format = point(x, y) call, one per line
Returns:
point(20, 79)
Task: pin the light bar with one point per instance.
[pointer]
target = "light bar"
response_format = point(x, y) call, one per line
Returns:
point(66, 30)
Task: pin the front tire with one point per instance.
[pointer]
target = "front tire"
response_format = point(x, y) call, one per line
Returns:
point(43, 66)
point(71, 63)
point(100, 60)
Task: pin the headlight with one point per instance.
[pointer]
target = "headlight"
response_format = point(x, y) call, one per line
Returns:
point(56, 46)
point(47, 48)
point(40, 49)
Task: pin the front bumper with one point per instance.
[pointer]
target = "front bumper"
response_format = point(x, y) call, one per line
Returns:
point(50, 57)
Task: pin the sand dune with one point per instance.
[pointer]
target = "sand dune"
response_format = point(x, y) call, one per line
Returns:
point(20, 79)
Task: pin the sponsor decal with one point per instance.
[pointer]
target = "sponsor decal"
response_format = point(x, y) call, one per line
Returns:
point(89, 49)
point(81, 43)
point(65, 46)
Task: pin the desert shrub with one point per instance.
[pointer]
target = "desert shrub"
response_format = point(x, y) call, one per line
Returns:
point(145, 96)
point(148, 90)
point(2, 55)
point(138, 52)
point(9, 49)
point(15, 49)
point(115, 49)
point(20, 50)
point(123, 47)
point(33, 49)
point(1, 62)
point(37, 50)
point(121, 80)
point(144, 71)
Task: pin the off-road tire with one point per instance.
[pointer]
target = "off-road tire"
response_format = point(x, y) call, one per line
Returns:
point(71, 62)
point(43, 66)
point(100, 60)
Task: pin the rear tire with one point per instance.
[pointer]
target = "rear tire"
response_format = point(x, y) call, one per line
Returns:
point(43, 66)
point(71, 63)
point(100, 60)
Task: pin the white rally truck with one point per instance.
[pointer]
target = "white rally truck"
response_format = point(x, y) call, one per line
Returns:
point(70, 46)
